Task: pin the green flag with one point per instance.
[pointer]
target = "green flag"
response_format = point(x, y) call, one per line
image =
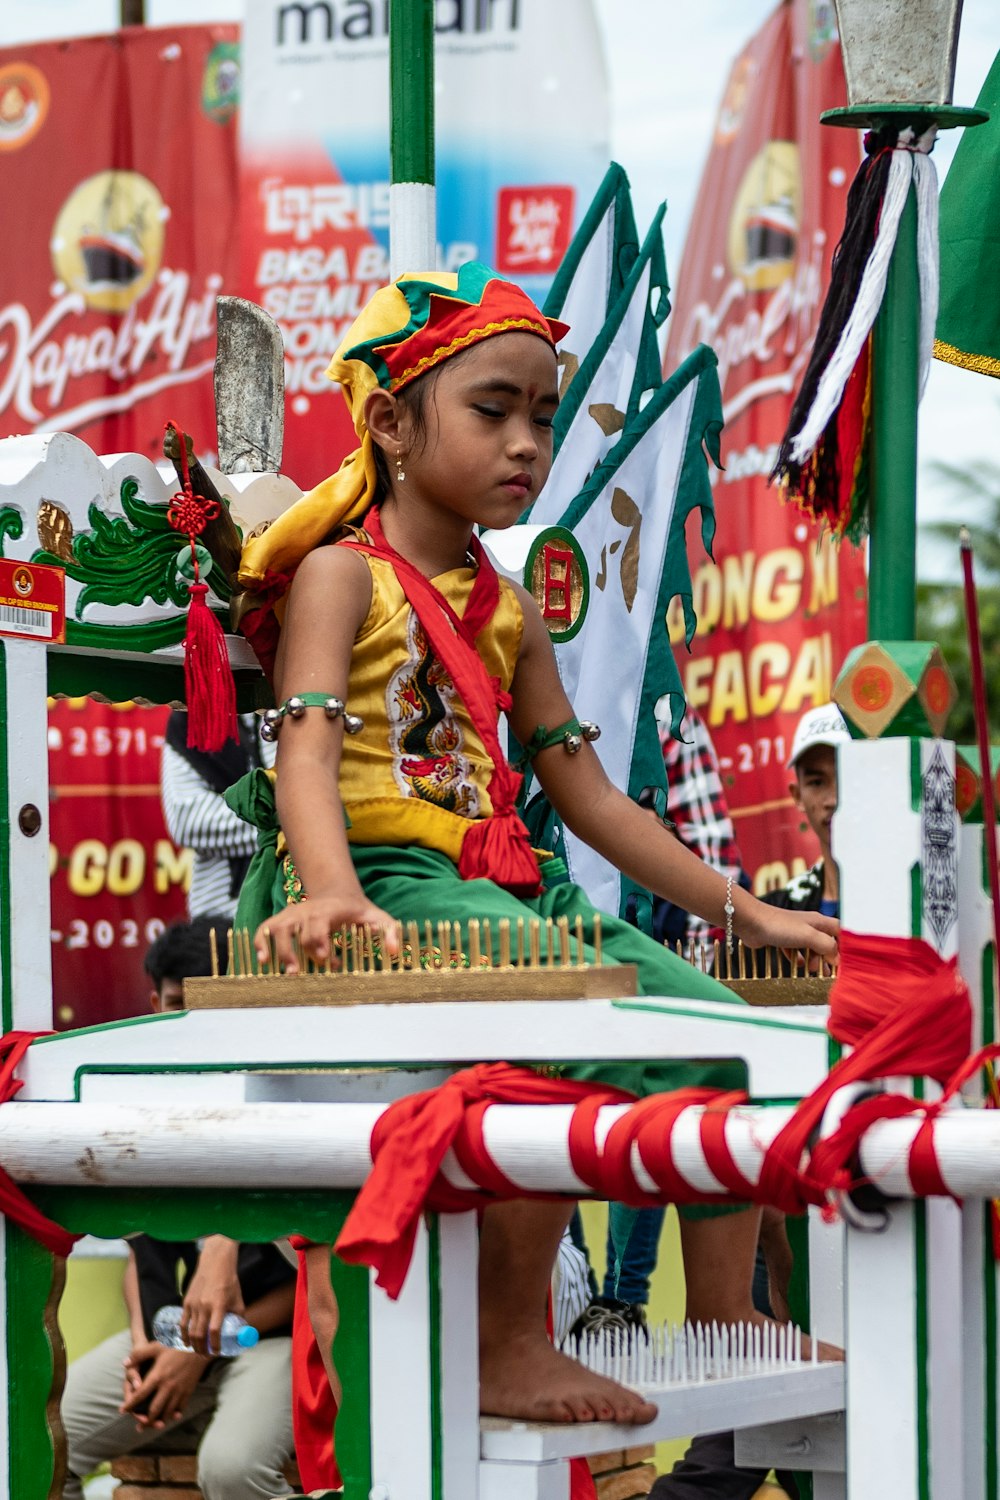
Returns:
point(968, 325)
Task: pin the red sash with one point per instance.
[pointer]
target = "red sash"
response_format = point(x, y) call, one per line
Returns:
point(497, 848)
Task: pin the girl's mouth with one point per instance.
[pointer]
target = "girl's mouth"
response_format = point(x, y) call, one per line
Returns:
point(519, 483)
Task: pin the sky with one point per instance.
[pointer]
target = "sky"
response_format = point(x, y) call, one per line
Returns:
point(667, 63)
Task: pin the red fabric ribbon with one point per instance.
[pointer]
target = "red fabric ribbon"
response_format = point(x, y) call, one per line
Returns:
point(497, 847)
point(14, 1204)
point(905, 1010)
point(649, 1126)
point(409, 1143)
point(314, 1410)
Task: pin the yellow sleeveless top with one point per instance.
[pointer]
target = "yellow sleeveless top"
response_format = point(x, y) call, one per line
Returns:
point(418, 773)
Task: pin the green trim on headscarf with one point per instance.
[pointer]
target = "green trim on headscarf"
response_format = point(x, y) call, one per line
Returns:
point(473, 279)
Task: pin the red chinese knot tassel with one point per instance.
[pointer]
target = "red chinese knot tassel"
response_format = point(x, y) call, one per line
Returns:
point(209, 689)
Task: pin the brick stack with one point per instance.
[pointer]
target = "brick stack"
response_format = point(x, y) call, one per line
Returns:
point(167, 1476)
point(625, 1474)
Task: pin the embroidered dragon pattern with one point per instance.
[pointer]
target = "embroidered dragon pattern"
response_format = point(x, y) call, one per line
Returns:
point(425, 736)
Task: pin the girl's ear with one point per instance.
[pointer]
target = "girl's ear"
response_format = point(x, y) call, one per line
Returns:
point(384, 418)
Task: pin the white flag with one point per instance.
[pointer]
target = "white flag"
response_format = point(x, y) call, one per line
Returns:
point(594, 270)
point(620, 365)
point(629, 524)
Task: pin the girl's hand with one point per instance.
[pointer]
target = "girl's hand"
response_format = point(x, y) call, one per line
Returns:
point(305, 929)
point(764, 926)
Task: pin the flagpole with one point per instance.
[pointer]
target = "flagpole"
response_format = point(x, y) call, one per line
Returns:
point(892, 558)
point(412, 207)
point(918, 58)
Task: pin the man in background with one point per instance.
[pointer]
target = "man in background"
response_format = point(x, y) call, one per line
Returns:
point(197, 816)
point(131, 1394)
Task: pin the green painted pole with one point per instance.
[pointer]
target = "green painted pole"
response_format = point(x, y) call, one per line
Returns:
point(412, 214)
point(892, 567)
point(411, 90)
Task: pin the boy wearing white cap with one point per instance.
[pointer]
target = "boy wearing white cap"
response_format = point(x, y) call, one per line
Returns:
point(813, 762)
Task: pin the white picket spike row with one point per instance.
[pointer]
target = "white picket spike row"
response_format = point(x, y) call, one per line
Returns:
point(664, 1355)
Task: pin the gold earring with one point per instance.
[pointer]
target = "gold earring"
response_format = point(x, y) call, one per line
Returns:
point(400, 476)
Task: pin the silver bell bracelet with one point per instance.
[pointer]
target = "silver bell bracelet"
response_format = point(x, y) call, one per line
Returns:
point(570, 735)
point(295, 707)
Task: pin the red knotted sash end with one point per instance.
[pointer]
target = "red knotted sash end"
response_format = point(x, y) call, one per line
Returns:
point(499, 849)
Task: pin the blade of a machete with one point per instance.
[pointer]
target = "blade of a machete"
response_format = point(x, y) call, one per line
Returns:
point(249, 388)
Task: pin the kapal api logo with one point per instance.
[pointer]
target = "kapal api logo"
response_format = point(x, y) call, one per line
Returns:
point(24, 104)
point(119, 325)
point(766, 214)
point(107, 242)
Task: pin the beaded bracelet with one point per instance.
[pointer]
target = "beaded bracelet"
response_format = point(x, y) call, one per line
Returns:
point(730, 911)
point(295, 707)
point(570, 735)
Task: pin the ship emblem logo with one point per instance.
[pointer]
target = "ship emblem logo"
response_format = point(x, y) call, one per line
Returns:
point(766, 216)
point(107, 242)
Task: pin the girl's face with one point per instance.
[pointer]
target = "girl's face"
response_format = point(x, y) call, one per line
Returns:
point(487, 448)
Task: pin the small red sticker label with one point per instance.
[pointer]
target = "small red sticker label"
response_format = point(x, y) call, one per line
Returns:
point(33, 602)
point(533, 228)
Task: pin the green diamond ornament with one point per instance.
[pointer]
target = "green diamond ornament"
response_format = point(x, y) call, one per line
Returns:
point(895, 688)
point(969, 781)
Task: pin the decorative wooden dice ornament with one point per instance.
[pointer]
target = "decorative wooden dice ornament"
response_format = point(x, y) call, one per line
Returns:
point(889, 688)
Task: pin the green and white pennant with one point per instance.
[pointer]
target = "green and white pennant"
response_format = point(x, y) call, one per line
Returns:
point(621, 366)
point(593, 271)
point(629, 524)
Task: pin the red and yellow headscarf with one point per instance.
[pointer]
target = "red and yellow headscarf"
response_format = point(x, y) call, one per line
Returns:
point(406, 330)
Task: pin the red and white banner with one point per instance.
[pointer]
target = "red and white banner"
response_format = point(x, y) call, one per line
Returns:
point(117, 879)
point(780, 606)
point(118, 163)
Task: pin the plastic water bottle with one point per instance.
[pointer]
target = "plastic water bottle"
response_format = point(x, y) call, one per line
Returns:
point(237, 1334)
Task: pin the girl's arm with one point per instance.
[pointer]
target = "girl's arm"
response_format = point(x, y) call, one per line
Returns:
point(622, 832)
point(327, 604)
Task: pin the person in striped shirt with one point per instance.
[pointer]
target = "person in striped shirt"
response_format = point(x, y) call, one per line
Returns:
point(198, 818)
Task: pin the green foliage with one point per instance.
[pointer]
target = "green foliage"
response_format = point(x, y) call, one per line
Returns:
point(974, 492)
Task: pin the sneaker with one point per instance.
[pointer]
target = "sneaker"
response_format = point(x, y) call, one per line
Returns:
point(610, 1315)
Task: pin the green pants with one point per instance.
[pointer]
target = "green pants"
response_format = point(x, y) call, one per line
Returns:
point(423, 885)
point(419, 885)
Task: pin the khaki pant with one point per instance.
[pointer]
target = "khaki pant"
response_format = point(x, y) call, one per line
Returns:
point(239, 1419)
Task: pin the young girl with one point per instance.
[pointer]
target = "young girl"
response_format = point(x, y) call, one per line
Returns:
point(451, 381)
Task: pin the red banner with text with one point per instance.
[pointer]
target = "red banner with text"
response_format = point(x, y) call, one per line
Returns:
point(780, 606)
point(117, 879)
point(118, 160)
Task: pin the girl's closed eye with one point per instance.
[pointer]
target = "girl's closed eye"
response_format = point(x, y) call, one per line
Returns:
point(489, 411)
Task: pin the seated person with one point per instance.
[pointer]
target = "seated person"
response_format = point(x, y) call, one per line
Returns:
point(131, 1394)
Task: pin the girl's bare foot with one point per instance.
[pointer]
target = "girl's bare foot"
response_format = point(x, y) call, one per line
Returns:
point(523, 1377)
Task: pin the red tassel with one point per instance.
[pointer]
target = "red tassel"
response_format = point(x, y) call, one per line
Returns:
point(208, 681)
point(499, 849)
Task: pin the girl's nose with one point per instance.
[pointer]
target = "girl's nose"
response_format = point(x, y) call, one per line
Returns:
point(524, 441)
